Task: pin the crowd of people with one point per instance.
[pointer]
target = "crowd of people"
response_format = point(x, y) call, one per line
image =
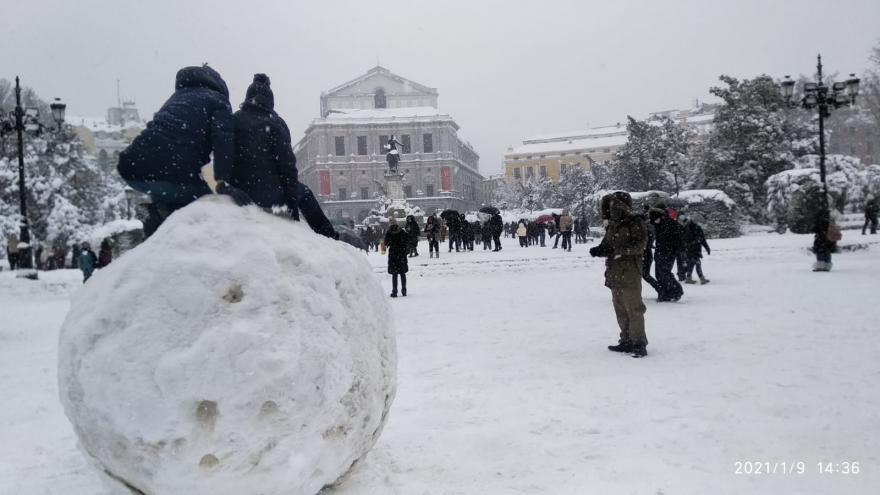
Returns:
point(58, 257)
point(554, 227)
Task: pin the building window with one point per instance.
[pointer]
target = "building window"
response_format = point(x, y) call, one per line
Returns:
point(362, 145)
point(342, 172)
point(543, 171)
point(516, 173)
point(430, 189)
point(563, 168)
point(407, 145)
point(407, 191)
point(343, 194)
point(363, 172)
point(340, 145)
point(383, 140)
point(428, 143)
point(379, 99)
point(365, 193)
point(530, 172)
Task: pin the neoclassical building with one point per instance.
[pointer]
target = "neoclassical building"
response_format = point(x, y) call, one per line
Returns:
point(342, 156)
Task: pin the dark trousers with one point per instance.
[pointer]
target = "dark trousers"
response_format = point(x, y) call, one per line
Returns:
point(556, 241)
point(681, 265)
point(872, 222)
point(695, 263)
point(454, 240)
point(523, 241)
point(497, 239)
point(566, 240)
point(394, 282)
point(433, 246)
point(13, 260)
point(669, 286)
point(543, 238)
point(647, 261)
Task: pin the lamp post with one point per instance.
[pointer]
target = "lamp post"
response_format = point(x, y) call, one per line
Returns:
point(31, 124)
point(58, 109)
point(674, 166)
point(816, 95)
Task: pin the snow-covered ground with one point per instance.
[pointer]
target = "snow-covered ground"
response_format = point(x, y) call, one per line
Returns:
point(505, 385)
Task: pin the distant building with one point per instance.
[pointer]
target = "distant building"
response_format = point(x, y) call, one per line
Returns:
point(342, 156)
point(549, 155)
point(106, 138)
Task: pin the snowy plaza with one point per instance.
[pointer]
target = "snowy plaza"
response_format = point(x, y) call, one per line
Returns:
point(505, 385)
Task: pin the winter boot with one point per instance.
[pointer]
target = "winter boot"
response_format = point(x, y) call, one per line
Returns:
point(704, 281)
point(403, 292)
point(394, 294)
point(639, 351)
point(621, 347)
point(690, 281)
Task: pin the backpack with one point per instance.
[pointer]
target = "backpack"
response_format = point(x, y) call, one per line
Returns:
point(833, 233)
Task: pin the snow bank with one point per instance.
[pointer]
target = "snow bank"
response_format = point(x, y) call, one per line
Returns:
point(232, 352)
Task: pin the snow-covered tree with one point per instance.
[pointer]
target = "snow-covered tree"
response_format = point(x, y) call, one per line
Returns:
point(755, 135)
point(642, 164)
point(533, 194)
point(794, 196)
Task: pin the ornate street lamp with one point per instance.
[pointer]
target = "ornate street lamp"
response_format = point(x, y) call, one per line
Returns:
point(818, 95)
point(26, 120)
point(58, 109)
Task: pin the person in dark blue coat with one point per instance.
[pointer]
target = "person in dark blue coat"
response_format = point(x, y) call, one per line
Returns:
point(265, 166)
point(165, 160)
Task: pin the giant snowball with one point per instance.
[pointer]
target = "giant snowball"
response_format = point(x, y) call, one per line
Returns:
point(234, 352)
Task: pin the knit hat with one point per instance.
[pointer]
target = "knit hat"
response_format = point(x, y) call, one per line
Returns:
point(260, 93)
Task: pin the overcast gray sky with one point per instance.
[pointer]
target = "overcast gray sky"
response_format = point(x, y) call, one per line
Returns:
point(504, 69)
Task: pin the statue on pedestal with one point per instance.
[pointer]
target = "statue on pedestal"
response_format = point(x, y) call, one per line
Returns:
point(393, 155)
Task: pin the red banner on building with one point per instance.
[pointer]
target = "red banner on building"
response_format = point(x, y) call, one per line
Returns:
point(325, 182)
point(445, 179)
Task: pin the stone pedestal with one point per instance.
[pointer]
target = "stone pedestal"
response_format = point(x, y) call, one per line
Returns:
point(394, 186)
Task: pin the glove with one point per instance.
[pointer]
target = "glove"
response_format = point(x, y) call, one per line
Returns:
point(602, 250)
point(240, 197)
point(708, 251)
point(594, 251)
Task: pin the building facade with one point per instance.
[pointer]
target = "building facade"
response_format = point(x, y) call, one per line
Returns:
point(106, 138)
point(342, 156)
point(549, 155)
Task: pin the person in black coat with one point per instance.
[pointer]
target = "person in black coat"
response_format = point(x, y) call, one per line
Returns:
point(497, 226)
point(823, 245)
point(694, 241)
point(648, 255)
point(668, 244)
point(432, 232)
point(165, 160)
point(397, 243)
point(265, 166)
point(453, 224)
point(412, 231)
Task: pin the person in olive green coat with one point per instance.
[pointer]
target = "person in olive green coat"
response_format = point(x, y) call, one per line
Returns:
point(623, 245)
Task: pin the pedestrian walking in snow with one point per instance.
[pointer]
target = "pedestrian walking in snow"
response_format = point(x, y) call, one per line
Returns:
point(87, 261)
point(105, 253)
point(397, 244)
point(497, 225)
point(668, 245)
point(12, 251)
point(623, 247)
point(871, 211)
point(566, 224)
point(522, 232)
point(486, 235)
point(648, 257)
point(826, 235)
point(694, 241)
point(166, 159)
point(432, 232)
point(412, 231)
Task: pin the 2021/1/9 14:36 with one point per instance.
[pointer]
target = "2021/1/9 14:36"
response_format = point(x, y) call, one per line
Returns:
point(795, 467)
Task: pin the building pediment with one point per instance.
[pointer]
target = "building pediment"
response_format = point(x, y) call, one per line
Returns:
point(380, 77)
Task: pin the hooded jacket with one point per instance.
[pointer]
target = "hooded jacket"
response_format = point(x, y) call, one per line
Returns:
point(265, 166)
point(195, 122)
point(624, 242)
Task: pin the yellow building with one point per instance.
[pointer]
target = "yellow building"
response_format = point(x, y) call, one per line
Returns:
point(549, 155)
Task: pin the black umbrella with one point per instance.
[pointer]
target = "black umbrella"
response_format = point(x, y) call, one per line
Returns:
point(490, 210)
point(447, 214)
